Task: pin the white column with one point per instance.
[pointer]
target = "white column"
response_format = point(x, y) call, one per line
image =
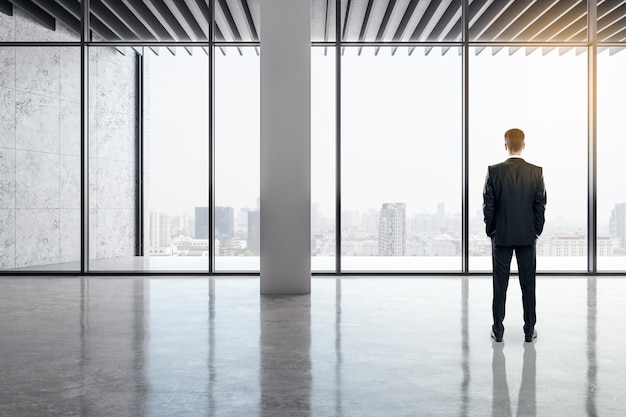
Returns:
point(285, 36)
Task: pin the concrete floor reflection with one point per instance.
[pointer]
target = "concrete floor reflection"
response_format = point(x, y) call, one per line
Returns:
point(354, 347)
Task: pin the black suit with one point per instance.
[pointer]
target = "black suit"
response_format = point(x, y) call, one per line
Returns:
point(514, 202)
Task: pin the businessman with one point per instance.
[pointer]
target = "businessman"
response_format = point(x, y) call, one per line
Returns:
point(514, 203)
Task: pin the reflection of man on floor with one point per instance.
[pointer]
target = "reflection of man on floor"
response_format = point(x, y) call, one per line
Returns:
point(514, 202)
point(501, 401)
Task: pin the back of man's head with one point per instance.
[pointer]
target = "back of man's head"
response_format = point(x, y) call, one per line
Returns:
point(514, 139)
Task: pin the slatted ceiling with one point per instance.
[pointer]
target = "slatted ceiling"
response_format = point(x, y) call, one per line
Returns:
point(487, 18)
point(517, 18)
point(226, 16)
point(442, 29)
point(427, 20)
point(166, 18)
point(612, 22)
point(363, 20)
point(148, 20)
point(187, 20)
point(198, 12)
point(244, 19)
point(54, 9)
point(129, 19)
point(551, 16)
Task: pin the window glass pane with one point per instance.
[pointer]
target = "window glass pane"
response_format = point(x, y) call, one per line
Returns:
point(436, 21)
point(237, 159)
point(176, 159)
point(544, 93)
point(113, 233)
point(40, 217)
point(323, 144)
point(45, 21)
point(611, 242)
point(401, 159)
point(524, 21)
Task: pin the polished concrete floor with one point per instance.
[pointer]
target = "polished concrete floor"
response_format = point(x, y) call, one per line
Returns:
point(354, 347)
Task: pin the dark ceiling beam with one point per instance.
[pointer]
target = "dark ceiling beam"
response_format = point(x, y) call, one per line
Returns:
point(508, 17)
point(250, 20)
point(71, 6)
point(533, 14)
point(126, 16)
point(489, 17)
point(617, 37)
point(576, 31)
point(228, 16)
point(111, 22)
point(404, 23)
point(219, 36)
point(38, 14)
point(612, 23)
point(60, 14)
point(547, 19)
point(452, 13)
point(200, 11)
point(346, 20)
point(327, 19)
point(149, 20)
point(164, 15)
point(476, 9)
point(366, 22)
point(425, 20)
point(6, 7)
point(186, 19)
point(550, 32)
point(384, 23)
point(406, 18)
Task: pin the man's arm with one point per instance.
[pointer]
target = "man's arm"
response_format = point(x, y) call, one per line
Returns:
point(489, 207)
point(539, 205)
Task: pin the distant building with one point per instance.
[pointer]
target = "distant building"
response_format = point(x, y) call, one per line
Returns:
point(575, 245)
point(224, 222)
point(160, 229)
point(254, 232)
point(392, 229)
point(617, 224)
point(201, 223)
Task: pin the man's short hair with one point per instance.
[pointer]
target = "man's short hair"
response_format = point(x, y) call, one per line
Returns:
point(514, 139)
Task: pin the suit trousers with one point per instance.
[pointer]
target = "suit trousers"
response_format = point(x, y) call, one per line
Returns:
point(527, 266)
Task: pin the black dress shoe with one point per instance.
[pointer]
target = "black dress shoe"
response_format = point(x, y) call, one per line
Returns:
point(529, 337)
point(495, 338)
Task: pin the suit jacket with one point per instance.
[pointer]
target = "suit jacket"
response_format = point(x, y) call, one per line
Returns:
point(514, 202)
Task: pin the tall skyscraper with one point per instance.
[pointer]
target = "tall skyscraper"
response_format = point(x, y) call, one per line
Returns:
point(392, 229)
point(160, 230)
point(254, 231)
point(201, 223)
point(224, 222)
point(618, 223)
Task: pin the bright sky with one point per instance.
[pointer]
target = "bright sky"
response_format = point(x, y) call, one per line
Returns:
point(401, 128)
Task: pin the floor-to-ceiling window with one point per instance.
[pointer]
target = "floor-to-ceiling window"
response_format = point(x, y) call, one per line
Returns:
point(611, 240)
point(237, 159)
point(409, 105)
point(401, 159)
point(323, 159)
point(544, 93)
